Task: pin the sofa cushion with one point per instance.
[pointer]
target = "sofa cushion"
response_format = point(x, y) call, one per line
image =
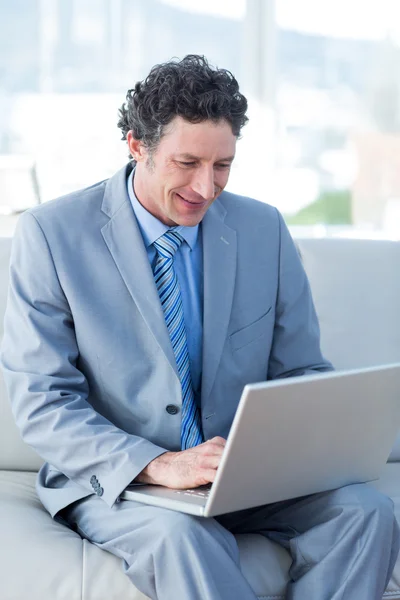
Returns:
point(59, 565)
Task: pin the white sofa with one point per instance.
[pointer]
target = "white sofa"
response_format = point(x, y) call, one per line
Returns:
point(356, 287)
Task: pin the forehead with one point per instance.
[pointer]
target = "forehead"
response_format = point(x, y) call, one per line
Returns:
point(206, 139)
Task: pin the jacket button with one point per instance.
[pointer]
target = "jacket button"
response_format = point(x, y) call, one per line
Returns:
point(93, 479)
point(100, 491)
point(172, 409)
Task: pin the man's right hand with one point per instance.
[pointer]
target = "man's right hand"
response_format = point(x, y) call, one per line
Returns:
point(186, 469)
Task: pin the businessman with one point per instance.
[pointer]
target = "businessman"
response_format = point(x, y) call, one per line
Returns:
point(138, 309)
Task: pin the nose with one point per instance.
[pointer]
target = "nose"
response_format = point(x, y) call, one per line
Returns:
point(203, 182)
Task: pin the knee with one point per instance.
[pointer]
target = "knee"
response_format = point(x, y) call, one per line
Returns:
point(178, 530)
point(368, 503)
point(379, 510)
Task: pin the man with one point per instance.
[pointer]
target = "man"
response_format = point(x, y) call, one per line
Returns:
point(138, 310)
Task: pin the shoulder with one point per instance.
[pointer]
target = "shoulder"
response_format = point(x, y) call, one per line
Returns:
point(64, 222)
point(71, 206)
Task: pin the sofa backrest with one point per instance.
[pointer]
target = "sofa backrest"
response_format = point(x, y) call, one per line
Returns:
point(356, 289)
point(14, 453)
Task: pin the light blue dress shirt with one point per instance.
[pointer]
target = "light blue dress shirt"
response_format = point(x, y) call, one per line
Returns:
point(188, 264)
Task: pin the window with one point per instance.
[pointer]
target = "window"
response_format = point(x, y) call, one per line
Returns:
point(323, 139)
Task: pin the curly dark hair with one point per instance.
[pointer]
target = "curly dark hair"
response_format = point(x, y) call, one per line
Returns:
point(189, 88)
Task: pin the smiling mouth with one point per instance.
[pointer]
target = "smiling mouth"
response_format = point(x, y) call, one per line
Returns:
point(190, 202)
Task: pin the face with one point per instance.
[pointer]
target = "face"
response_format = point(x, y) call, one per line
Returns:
point(187, 171)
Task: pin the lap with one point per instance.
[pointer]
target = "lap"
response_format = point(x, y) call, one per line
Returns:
point(298, 515)
point(99, 523)
point(141, 523)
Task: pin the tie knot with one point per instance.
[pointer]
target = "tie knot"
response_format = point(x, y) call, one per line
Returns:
point(168, 243)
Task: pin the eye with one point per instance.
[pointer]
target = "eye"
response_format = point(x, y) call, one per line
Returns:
point(223, 166)
point(187, 164)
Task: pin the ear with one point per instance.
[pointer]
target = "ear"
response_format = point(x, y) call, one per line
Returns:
point(136, 148)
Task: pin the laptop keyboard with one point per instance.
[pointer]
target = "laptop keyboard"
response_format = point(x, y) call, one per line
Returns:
point(200, 492)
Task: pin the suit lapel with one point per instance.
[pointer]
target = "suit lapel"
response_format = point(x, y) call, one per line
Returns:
point(219, 266)
point(125, 243)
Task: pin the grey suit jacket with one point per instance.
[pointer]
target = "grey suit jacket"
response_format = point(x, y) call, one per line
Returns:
point(86, 353)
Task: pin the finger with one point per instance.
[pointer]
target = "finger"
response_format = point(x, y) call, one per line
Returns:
point(207, 450)
point(217, 441)
point(210, 462)
point(208, 476)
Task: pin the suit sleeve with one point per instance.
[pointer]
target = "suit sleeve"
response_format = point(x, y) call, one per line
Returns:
point(48, 393)
point(296, 341)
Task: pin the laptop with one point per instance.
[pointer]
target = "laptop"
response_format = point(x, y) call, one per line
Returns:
point(293, 437)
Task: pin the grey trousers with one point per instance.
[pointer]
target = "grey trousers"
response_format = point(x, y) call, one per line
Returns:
point(343, 543)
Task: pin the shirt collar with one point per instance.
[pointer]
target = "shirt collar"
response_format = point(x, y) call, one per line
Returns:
point(152, 228)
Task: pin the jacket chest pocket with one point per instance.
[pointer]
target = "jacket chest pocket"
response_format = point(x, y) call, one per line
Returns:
point(251, 333)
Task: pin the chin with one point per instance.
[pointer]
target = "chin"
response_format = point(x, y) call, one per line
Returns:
point(185, 220)
point(189, 221)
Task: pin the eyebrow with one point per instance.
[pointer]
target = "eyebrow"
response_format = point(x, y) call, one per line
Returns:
point(188, 156)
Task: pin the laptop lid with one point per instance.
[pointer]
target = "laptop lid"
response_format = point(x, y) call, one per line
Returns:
point(301, 435)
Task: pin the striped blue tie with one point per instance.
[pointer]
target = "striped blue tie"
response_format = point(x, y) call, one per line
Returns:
point(171, 301)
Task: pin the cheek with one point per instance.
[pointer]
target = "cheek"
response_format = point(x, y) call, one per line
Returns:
point(174, 184)
point(221, 179)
